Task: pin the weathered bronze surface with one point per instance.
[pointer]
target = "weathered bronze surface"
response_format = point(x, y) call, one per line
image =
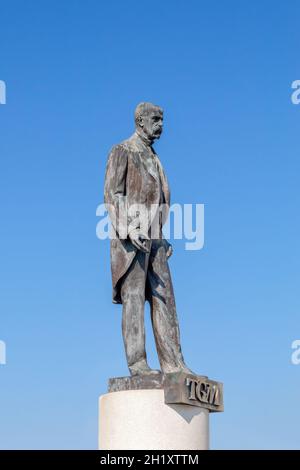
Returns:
point(136, 382)
point(179, 388)
point(140, 271)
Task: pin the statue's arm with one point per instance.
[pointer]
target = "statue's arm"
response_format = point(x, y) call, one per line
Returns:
point(115, 189)
point(116, 201)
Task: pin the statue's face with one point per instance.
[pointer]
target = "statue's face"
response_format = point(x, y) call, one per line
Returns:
point(152, 124)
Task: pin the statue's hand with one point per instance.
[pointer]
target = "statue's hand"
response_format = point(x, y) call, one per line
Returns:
point(169, 251)
point(140, 240)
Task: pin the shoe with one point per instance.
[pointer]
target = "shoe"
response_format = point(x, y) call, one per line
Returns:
point(185, 370)
point(142, 368)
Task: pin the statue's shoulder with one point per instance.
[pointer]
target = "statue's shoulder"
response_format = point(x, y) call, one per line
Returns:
point(129, 144)
point(126, 148)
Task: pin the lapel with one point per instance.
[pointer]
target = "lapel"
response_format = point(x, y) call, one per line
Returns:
point(145, 155)
point(159, 176)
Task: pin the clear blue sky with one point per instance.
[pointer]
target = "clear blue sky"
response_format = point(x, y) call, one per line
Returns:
point(74, 72)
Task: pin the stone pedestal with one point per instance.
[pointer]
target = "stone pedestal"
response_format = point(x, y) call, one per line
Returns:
point(164, 412)
point(140, 419)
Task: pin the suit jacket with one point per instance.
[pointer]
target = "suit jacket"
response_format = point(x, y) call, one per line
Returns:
point(131, 180)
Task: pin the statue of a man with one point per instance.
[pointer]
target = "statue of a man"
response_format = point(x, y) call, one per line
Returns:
point(140, 271)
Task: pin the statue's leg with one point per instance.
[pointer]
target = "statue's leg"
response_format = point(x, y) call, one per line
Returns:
point(133, 328)
point(160, 294)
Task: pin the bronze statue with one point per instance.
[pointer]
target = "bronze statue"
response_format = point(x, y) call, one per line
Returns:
point(140, 271)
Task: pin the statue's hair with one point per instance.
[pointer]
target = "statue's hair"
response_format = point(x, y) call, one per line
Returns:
point(144, 108)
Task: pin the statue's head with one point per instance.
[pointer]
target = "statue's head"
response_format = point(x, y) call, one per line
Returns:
point(149, 120)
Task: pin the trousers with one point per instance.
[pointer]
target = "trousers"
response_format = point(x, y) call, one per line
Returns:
point(149, 279)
